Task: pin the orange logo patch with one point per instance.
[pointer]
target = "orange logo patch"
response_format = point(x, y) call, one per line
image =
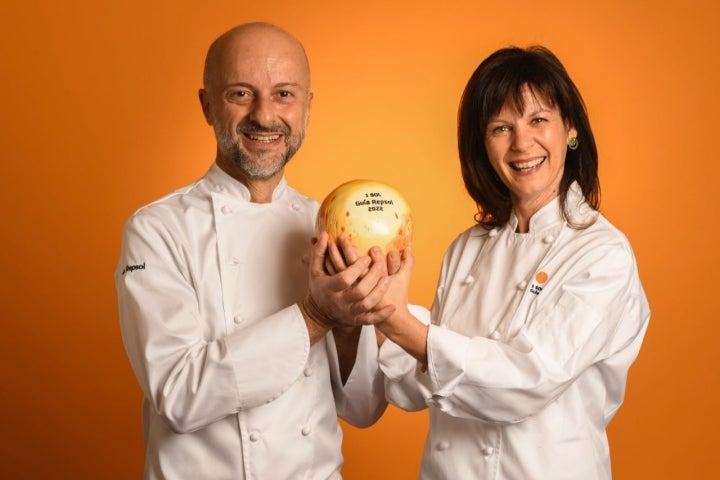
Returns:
point(540, 279)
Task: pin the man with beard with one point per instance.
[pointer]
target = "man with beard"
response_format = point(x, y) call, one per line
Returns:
point(232, 328)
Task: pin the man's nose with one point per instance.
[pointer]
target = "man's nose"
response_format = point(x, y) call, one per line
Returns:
point(262, 111)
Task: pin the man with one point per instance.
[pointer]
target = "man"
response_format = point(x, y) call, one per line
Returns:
point(226, 331)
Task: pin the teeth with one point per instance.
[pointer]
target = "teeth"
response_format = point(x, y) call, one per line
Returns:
point(528, 165)
point(263, 139)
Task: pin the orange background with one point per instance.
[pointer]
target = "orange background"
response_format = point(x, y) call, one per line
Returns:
point(100, 116)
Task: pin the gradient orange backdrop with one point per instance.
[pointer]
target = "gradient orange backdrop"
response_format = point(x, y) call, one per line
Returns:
point(100, 116)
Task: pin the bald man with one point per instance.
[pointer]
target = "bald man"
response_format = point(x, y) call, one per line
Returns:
point(229, 319)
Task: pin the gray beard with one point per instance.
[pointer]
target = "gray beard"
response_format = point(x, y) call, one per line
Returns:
point(255, 170)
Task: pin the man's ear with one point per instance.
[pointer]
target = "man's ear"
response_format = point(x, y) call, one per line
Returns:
point(205, 105)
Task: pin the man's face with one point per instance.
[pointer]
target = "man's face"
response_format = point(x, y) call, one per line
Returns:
point(258, 102)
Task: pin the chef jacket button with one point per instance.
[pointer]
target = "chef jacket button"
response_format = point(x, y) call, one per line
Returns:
point(306, 259)
point(226, 210)
point(549, 239)
point(296, 207)
point(238, 318)
point(487, 451)
point(522, 285)
point(234, 262)
point(308, 371)
point(444, 445)
point(493, 232)
point(219, 188)
point(495, 335)
point(305, 431)
point(254, 436)
point(468, 280)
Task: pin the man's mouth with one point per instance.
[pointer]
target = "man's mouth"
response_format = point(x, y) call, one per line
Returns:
point(529, 165)
point(266, 138)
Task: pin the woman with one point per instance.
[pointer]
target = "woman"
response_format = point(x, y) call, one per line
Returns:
point(539, 310)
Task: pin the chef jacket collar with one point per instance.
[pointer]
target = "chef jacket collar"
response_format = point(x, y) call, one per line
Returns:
point(222, 182)
point(549, 215)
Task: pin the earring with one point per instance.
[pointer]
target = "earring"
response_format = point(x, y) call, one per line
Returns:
point(573, 143)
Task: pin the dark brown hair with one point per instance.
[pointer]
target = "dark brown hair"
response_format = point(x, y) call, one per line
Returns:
point(501, 77)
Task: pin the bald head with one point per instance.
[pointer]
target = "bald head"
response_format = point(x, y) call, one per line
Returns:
point(260, 43)
point(256, 95)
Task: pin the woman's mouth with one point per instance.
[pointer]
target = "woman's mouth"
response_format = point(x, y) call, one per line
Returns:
point(528, 165)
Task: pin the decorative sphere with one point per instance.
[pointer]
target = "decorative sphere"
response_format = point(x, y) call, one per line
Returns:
point(368, 213)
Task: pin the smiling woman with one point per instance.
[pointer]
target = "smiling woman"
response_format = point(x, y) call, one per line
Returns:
point(539, 311)
point(528, 111)
point(526, 146)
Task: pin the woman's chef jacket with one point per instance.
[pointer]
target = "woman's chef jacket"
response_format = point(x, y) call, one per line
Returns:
point(206, 285)
point(529, 347)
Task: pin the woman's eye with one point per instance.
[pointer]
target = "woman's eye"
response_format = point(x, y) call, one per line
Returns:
point(499, 130)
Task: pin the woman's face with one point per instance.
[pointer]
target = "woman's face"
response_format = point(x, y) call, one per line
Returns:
point(527, 150)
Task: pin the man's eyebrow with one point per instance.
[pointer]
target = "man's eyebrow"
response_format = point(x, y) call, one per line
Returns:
point(241, 84)
point(287, 84)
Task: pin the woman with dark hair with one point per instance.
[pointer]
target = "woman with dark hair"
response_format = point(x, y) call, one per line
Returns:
point(539, 310)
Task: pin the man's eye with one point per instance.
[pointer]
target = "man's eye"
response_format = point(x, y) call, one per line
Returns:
point(239, 96)
point(284, 93)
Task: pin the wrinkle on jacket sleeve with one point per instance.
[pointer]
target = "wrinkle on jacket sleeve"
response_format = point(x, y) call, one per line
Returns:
point(598, 319)
point(361, 400)
point(193, 381)
point(401, 369)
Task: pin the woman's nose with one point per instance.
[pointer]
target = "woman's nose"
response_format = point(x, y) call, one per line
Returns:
point(522, 139)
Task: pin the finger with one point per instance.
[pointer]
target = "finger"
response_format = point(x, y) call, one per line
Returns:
point(369, 280)
point(350, 252)
point(329, 267)
point(373, 298)
point(394, 262)
point(317, 254)
point(346, 279)
point(408, 260)
point(375, 316)
point(336, 257)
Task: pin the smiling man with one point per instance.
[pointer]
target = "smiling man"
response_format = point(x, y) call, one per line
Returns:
point(257, 97)
point(233, 334)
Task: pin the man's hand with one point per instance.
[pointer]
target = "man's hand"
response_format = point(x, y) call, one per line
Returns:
point(344, 287)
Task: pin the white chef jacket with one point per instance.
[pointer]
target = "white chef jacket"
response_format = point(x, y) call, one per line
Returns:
point(232, 388)
point(529, 347)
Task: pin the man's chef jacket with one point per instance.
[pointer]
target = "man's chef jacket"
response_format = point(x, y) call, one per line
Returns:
point(529, 347)
point(206, 285)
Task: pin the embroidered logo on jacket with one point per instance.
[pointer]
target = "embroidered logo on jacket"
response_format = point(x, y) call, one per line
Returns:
point(541, 279)
point(132, 268)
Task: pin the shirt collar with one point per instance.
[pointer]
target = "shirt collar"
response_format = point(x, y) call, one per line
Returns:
point(550, 214)
point(222, 182)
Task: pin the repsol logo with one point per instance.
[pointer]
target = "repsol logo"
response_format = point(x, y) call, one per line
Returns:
point(132, 268)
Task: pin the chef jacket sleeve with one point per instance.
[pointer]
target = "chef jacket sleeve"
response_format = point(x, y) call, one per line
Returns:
point(598, 318)
point(400, 370)
point(361, 400)
point(191, 380)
